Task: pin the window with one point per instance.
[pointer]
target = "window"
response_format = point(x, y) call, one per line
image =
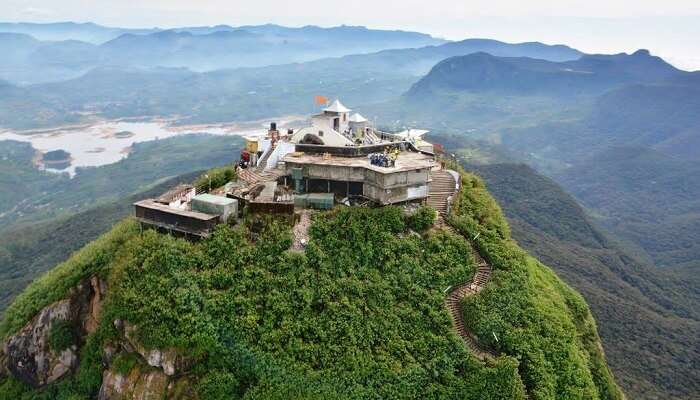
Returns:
point(320, 133)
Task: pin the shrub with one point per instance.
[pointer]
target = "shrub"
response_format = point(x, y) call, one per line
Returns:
point(422, 219)
point(218, 385)
point(215, 178)
point(124, 362)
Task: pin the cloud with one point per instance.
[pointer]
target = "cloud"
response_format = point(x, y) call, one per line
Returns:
point(35, 12)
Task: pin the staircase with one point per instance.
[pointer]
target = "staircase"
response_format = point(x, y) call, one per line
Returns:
point(372, 137)
point(452, 302)
point(262, 163)
point(440, 188)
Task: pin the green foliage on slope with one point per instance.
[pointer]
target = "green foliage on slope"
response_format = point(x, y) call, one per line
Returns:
point(27, 252)
point(359, 314)
point(528, 312)
point(633, 303)
point(215, 178)
point(95, 258)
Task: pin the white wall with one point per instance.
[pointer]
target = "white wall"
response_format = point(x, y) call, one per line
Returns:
point(282, 149)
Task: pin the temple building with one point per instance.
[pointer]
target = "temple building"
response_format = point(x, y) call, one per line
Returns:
point(340, 157)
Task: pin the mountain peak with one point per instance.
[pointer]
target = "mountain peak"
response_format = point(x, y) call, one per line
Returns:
point(642, 53)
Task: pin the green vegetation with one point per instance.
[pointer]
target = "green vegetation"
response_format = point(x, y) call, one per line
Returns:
point(124, 362)
point(422, 219)
point(215, 178)
point(359, 314)
point(56, 155)
point(528, 312)
point(62, 335)
point(28, 252)
point(550, 225)
point(95, 258)
point(219, 385)
point(28, 195)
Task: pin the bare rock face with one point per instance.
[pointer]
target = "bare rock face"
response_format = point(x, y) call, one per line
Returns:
point(28, 354)
point(92, 316)
point(139, 383)
point(168, 359)
point(159, 373)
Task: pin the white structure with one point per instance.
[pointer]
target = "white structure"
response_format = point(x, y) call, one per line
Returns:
point(330, 128)
point(178, 197)
point(415, 136)
point(280, 150)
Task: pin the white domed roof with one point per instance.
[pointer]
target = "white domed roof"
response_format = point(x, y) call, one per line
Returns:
point(338, 107)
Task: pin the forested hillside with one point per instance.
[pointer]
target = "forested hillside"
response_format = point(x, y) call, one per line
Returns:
point(647, 317)
point(359, 314)
point(28, 252)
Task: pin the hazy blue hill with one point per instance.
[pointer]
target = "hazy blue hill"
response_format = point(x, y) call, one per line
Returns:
point(16, 46)
point(588, 75)
point(209, 48)
point(639, 66)
point(28, 60)
point(661, 116)
point(246, 93)
point(87, 32)
point(419, 61)
point(67, 53)
point(646, 197)
point(197, 48)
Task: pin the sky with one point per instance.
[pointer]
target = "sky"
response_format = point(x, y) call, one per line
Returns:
point(669, 28)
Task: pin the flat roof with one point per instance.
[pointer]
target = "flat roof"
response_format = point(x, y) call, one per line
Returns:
point(406, 161)
point(214, 199)
point(153, 205)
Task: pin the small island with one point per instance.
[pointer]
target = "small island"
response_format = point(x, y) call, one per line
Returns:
point(56, 159)
point(124, 134)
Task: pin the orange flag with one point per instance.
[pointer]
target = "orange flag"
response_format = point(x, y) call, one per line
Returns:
point(321, 100)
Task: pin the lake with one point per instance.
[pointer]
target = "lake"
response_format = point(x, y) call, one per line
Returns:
point(107, 142)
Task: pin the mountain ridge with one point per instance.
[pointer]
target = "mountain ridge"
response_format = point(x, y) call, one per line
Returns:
point(589, 74)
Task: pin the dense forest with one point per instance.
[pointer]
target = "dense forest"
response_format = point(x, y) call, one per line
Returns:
point(359, 314)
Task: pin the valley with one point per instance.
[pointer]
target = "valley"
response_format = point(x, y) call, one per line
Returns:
point(591, 157)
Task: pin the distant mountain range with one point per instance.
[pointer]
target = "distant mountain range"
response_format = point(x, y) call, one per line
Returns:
point(40, 53)
point(242, 93)
point(98, 34)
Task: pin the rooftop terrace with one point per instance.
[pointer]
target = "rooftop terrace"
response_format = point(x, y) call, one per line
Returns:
point(406, 161)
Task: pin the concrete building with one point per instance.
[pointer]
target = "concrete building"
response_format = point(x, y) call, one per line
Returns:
point(340, 156)
point(406, 180)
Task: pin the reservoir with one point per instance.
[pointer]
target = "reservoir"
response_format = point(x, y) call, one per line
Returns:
point(107, 142)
